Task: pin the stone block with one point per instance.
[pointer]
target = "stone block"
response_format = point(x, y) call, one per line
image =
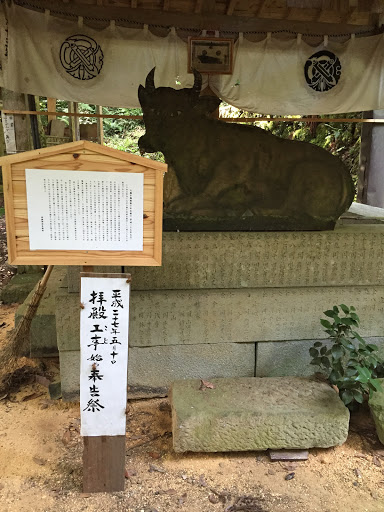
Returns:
point(376, 404)
point(159, 366)
point(19, 287)
point(67, 310)
point(285, 358)
point(173, 317)
point(70, 375)
point(256, 414)
point(151, 370)
point(348, 256)
point(235, 316)
point(43, 340)
point(73, 275)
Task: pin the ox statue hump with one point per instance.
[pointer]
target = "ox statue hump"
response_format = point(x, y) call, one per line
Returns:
point(236, 177)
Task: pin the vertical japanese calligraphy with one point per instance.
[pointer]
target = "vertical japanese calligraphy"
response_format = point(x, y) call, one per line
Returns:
point(104, 323)
point(85, 210)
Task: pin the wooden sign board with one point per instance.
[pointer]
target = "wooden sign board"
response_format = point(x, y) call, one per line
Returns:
point(100, 245)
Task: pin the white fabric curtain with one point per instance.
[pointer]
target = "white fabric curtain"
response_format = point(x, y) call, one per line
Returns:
point(40, 55)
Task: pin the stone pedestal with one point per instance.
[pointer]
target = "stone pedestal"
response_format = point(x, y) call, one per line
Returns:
point(236, 304)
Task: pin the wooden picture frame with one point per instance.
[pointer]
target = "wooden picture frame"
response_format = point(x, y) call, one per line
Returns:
point(81, 156)
point(210, 55)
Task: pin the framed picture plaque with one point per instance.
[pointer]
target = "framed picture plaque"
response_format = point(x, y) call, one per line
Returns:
point(210, 55)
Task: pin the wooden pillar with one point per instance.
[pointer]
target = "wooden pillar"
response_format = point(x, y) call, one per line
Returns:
point(51, 107)
point(371, 161)
point(16, 101)
point(365, 157)
point(100, 128)
point(75, 121)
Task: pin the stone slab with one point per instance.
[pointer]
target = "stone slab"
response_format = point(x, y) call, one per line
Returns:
point(348, 256)
point(172, 317)
point(19, 287)
point(285, 358)
point(43, 340)
point(151, 370)
point(70, 375)
point(256, 414)
point(376, 404)
point(159, 366)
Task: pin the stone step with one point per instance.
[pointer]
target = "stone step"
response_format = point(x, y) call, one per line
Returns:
point(242, 414)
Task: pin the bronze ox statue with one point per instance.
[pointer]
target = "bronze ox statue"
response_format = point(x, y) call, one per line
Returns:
point(231, 176)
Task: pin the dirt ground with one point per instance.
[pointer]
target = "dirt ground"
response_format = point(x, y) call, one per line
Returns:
point(41, 462)
point(41, 459)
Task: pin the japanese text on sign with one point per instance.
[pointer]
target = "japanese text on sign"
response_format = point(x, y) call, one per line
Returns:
point(104, 324)
point(76, 210)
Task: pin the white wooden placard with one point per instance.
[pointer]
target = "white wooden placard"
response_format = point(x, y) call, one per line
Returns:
point(8, 121)
point(104, 323)
point(73, 210)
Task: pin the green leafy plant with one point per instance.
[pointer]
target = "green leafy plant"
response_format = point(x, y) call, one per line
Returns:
point(350, 363)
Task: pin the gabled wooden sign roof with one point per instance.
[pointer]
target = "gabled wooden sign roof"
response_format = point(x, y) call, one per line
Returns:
point(82, 146)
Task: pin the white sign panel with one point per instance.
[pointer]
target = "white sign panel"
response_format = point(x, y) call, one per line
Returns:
point(8, 121)
point(104, 320)
point(76, 210)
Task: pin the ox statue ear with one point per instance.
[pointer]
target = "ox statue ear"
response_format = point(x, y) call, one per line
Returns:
point(207, 104)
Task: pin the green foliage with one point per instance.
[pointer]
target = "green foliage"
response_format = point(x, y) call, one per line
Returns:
point(350, 363)
point(130, 143)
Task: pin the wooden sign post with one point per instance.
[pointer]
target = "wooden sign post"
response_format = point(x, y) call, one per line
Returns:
point(104, 322)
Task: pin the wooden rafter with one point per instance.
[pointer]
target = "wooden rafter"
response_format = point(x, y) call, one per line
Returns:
point(200, 21)
point(231, 7)
point(260, 8)
point(349, 15)
point(318, 15)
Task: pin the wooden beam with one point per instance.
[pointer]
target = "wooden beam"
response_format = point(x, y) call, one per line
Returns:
point(231, 7)
point(226, 119)
point(67, 114)
point(220, 22)
point(166, 5)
